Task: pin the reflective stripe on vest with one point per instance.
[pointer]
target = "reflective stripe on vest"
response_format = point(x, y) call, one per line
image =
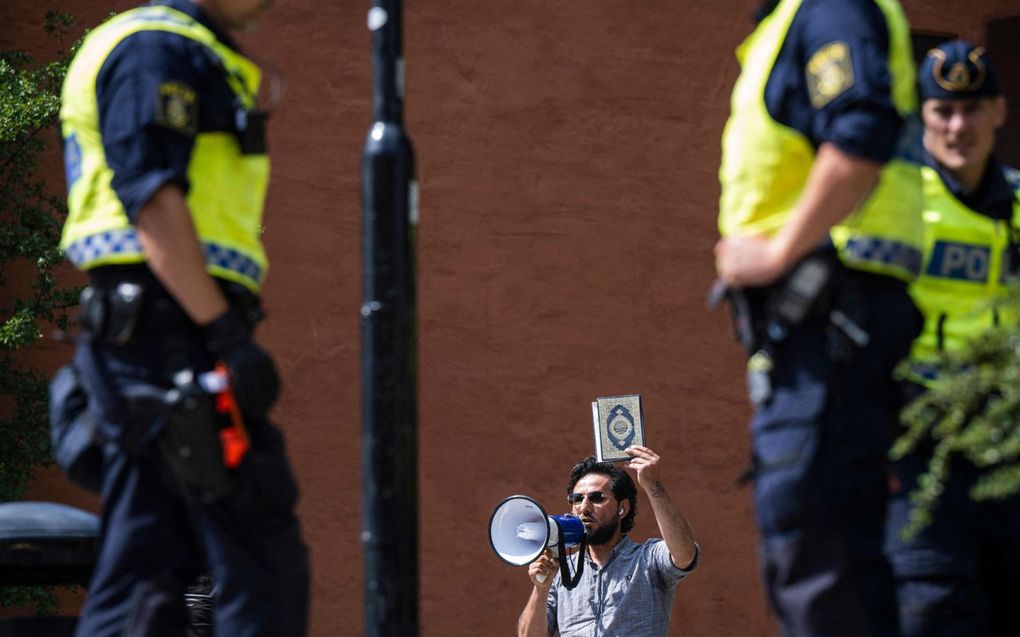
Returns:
point(227, 189)
point(766, 165)
point(122, 246)
point(964, 271)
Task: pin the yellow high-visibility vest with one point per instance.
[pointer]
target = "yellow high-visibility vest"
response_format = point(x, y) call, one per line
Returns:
point(965, 270)
point(766, 165)
point(228, 188)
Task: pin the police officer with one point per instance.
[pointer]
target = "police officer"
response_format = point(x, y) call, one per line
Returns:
point(957, 576)
point(820, 219)
point(167, 170)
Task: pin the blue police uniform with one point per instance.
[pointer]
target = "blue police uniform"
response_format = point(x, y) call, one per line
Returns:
point(827, 72)
point(957, 576)
point(156, 96)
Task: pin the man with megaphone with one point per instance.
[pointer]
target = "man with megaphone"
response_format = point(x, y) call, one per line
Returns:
point(625, 588)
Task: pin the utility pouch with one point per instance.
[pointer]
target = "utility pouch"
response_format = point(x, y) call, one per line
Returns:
point(92, 310)
point(125, 307)
point(190, 444)
point(74, 434)
point(804, 293)
point(111, 314)
point(766, 315)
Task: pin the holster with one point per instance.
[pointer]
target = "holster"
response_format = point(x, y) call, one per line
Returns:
point(190, 444)
point(764, 316)
point(818, 291)
point(191, 448)
point(126, 305)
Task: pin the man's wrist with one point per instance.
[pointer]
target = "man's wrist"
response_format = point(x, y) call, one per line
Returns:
point(781, 253)
point(656, 490)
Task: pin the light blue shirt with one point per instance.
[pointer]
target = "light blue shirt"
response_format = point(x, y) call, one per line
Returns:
point(631, 596)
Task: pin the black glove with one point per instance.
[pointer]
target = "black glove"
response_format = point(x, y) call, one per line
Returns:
point(253, 375)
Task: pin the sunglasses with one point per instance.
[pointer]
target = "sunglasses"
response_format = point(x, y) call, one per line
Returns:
point(595, 497)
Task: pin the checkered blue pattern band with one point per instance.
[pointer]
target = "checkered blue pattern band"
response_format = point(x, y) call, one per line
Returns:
point(114, 245)
point(231, 259)
point(883, 252)
point(86, 252)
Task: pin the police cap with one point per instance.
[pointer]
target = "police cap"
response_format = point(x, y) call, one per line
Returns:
point(957, 70)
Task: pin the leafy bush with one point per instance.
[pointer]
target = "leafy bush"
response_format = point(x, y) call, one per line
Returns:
point(30, 296)
point(973, 412)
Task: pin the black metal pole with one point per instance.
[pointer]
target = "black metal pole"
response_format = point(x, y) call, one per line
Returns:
point(388, 345)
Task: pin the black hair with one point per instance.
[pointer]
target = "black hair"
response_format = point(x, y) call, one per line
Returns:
point(619, 483)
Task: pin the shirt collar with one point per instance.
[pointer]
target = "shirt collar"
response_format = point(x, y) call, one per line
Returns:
point(195, 12)
point(992, 198)
point(623, 547)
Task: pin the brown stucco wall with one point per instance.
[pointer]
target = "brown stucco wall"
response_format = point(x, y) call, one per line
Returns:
point(567, 159)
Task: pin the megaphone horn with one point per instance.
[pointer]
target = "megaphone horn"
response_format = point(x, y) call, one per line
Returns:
point(520, 531)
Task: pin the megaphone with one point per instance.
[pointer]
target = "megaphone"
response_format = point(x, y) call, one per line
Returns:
point(520, 531)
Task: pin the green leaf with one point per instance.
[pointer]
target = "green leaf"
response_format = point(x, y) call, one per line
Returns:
point(972, 413)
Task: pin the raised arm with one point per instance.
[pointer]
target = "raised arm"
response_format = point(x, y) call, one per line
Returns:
point(675, 530)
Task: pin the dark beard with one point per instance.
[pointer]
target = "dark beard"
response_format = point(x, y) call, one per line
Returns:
point(602, 534)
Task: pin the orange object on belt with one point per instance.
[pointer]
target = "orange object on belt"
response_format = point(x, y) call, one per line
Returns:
point(234, 437)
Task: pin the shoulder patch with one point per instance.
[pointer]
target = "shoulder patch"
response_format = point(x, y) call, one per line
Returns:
point(177, 108)
point(829, 73)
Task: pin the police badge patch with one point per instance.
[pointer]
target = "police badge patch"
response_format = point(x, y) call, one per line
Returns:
point(177, 108)
point(619, 423)
point(829, 72)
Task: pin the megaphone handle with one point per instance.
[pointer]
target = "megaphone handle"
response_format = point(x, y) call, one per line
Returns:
point(556, 552)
